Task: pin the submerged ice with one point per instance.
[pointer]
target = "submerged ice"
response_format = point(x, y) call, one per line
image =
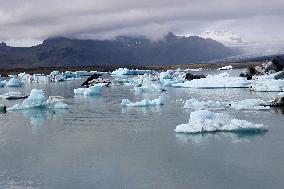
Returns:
point(203, 121)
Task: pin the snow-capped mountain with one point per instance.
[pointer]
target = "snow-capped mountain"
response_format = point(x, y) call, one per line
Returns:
point(226, 37)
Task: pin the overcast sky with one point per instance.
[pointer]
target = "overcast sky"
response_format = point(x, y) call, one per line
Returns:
point(27, 22)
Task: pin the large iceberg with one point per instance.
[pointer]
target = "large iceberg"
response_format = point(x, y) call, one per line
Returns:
point(13, 82)
point(222, 80)
point(91, 91)
point(267, 85)
point(144, 103)
point(37, 99)
point(203, 121)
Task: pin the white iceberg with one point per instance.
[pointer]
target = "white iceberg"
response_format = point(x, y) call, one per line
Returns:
point(203, 121)
point(229, 67)
point(125, 71)
point(91, 91)
point(37, 99)
point(250, 104)
point(13, 82)
point(166, 75)
point(267, 85)
point(222, 80)
point(144, 103)
point(148, 88)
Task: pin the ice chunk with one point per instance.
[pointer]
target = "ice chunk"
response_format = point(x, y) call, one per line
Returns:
point(91, 91)
point(229, 67)
point(13, 82)
point(267, 85)
point(37, 99)
point(167, 74)
point(222, 80)
point(125, 71)
point(2, 84)
point(13, 95)
point(143, 103)
point(203, 121)
point(146, 88)
point(250, 104)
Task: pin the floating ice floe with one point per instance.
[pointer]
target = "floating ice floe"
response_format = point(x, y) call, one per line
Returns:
point(144, 103)
point(37, 99)
point(267, 85)
point(91, 91)
point(13, 95)
point(203, 121)
point(222, 80)
point(13, 82)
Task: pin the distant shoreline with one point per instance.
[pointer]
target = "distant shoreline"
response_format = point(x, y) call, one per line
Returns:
point(46, 70)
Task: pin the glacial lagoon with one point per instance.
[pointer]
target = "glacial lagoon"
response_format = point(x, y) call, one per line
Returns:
point(97, 143)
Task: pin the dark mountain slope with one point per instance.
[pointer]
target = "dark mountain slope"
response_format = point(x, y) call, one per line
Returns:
point(139, 51)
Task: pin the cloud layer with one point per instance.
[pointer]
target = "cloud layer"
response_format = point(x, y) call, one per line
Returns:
point(24, 22)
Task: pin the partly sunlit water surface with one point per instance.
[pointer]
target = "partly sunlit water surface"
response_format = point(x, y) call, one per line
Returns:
point(96, 143)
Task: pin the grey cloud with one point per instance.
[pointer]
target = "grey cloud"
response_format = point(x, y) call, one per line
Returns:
point(36, 20)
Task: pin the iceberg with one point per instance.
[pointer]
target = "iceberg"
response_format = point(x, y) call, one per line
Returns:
point(144, 103)
point(267, 85)
point(2, 84)
point(229, 67)
point(13, 82)
point(203, 121)
point(222, 80)
point(125, 71)
point(13, 95)
point(92, 90)
point(149, 87)
point(37, 99)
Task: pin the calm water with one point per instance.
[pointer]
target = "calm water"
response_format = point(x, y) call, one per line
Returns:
point(98, 144)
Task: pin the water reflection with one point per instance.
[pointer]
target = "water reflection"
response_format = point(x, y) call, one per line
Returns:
point(205, 138)
point(39, 116)
point(144, 110)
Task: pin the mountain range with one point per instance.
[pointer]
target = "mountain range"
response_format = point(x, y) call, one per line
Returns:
point(121, 51)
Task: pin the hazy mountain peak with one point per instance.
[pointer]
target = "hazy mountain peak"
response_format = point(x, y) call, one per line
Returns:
point(226, 37)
